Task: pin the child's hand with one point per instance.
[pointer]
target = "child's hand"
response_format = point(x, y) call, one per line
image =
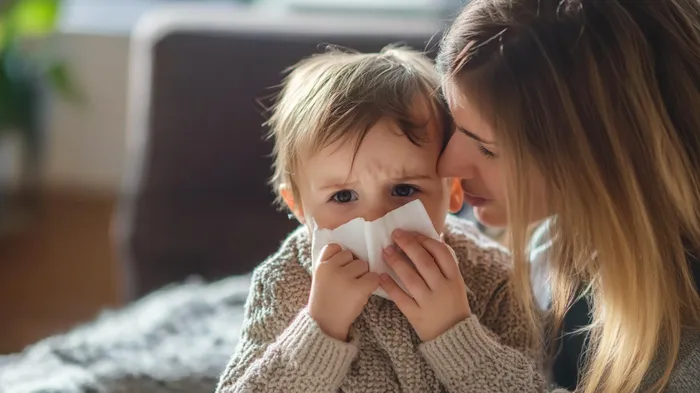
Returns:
point(439, 294)
point(340, 289)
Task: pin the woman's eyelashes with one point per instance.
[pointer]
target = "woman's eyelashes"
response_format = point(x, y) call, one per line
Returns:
point(486, 152)
point(399, 190)
point(482, 149)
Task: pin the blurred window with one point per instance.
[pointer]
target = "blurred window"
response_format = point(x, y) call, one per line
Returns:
point(120, 16)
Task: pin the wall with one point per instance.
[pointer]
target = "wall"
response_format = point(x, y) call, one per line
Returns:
point(86, 143)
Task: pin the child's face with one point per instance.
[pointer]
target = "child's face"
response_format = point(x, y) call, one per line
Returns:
point(387, 172)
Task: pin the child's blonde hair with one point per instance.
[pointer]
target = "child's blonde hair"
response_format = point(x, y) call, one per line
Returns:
point(341, 95)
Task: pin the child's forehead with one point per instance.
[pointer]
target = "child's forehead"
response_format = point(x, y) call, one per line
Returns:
point(421, 120)
point(383, 149)
point(383, 130)
point(403, 143)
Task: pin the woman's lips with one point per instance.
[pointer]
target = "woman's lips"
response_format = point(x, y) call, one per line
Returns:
point(473, 200)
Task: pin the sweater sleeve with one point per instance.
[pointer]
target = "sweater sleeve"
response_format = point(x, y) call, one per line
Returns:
point(468, 358)
point(275, 355)
point(506, 318)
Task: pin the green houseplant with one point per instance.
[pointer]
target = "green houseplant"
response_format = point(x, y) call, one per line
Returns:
point(29, 72)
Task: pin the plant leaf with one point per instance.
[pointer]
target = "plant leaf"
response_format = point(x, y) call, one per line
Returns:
point(62, 81)
point(34, 18)
point(3, 32)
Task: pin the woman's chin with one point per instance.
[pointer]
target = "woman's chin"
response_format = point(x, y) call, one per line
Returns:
point(491, 216)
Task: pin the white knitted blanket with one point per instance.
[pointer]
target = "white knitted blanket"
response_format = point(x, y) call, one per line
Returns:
point(175, 340)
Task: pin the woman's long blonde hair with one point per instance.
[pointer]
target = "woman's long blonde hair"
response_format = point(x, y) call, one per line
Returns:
point(602, 98)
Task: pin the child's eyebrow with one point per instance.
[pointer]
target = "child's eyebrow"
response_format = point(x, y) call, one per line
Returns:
point(406, 174)
point(410, 177)
point(335, 185)
point(401, 178)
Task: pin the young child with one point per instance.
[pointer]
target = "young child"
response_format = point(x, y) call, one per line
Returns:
point(359, 135)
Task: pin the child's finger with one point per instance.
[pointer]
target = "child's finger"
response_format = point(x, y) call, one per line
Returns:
point(443, 255)
point(405, 303)
point(421, 258)
point(341, 258)
point(356, 268)
point(369, 281)
point(329, 251)
point(406, 273)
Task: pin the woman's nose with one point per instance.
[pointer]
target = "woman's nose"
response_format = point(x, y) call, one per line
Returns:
point(455, 160)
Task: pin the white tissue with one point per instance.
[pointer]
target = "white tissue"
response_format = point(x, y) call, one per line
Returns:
point(367, 239)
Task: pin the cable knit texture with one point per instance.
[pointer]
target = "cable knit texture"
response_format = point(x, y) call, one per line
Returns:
point(283, 349)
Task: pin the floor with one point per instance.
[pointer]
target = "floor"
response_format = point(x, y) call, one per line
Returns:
point(58, 271)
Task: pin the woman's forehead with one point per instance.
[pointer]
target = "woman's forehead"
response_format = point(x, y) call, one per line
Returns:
point(467, 116)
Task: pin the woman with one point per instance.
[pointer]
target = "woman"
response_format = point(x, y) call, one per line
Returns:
point(586, 112)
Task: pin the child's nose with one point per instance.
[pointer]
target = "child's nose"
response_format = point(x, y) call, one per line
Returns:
point(378, 211)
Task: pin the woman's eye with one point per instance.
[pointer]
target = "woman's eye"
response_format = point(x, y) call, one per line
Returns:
point(486, 152)
point(344, 196)
point(403, 190)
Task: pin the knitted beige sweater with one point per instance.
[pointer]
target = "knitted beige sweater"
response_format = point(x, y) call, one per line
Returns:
point(283, 350)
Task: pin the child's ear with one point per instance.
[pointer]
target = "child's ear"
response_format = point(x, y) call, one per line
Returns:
point(288, 197)
point(456, 195)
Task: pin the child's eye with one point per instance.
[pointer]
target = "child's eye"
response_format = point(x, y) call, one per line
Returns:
point(486, 152)
point(344, 196)
point(403, 190)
